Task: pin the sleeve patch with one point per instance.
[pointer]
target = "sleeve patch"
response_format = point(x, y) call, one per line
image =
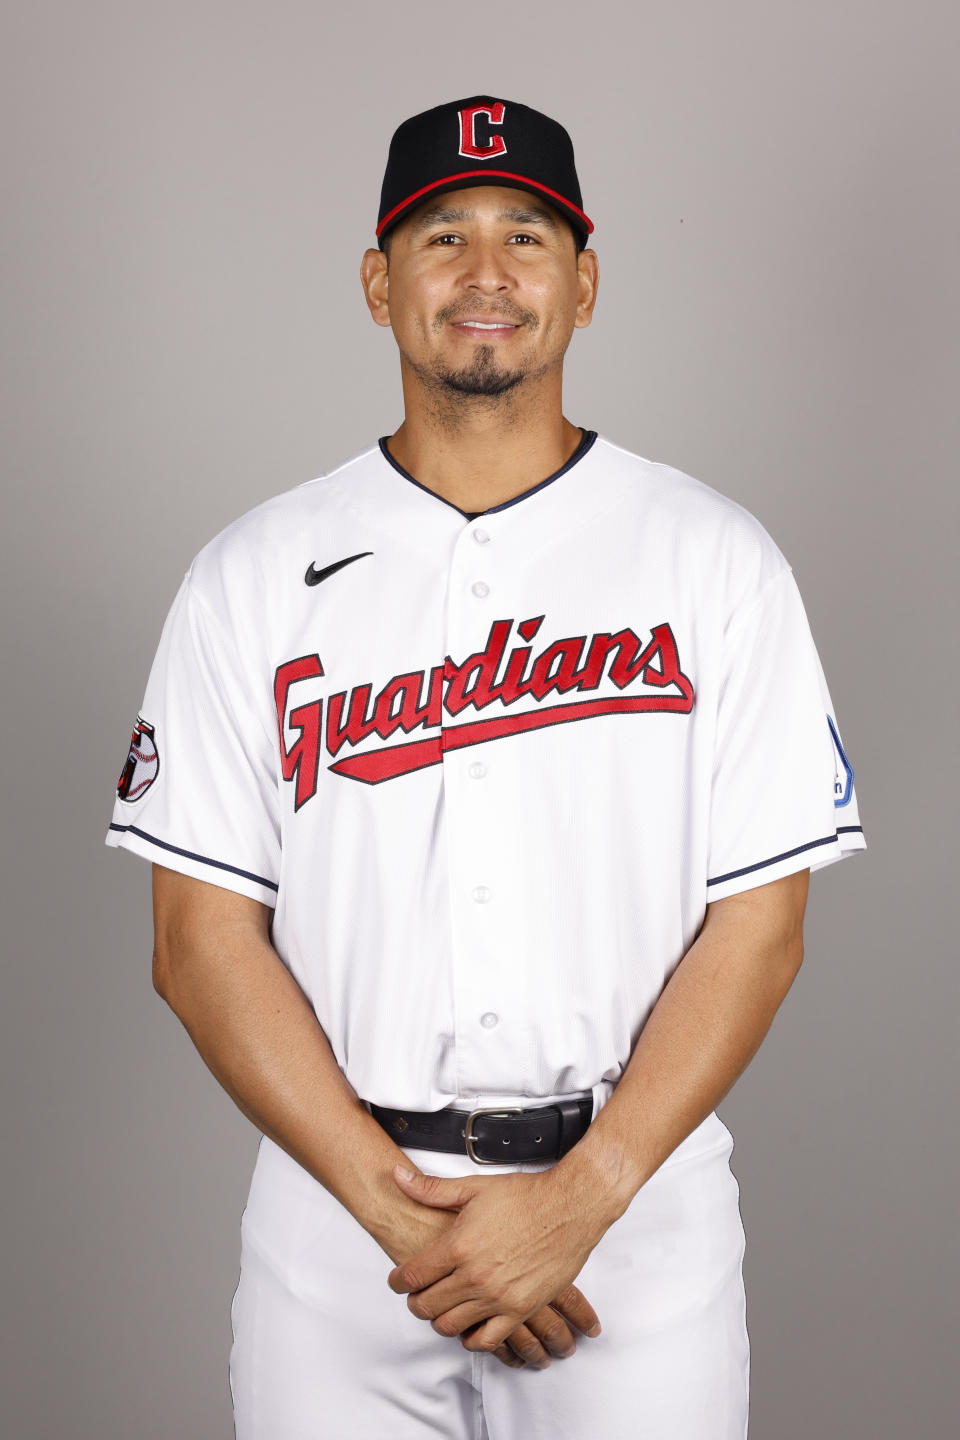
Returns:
point(842, 770)
point(142, 764)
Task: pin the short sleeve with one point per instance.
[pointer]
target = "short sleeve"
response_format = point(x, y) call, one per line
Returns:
point(199, 791)
point(782, 796)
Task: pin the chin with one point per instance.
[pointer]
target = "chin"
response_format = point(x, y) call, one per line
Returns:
point(483, 376)
point(491, 384)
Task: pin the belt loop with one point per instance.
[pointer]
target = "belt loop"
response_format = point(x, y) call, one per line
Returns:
point(569, 1124)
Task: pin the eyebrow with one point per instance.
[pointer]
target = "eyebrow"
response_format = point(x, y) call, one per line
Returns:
point(516, 214)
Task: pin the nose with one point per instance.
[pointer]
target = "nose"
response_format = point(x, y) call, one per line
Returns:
point(486, 270)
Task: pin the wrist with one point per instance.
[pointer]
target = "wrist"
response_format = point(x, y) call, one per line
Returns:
point(596, 1179)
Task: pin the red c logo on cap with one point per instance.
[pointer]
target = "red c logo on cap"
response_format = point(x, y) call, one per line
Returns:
point(468, 139)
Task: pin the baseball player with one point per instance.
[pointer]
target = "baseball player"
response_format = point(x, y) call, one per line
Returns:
point(482, 779)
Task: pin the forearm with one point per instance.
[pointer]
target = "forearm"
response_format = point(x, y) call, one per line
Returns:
point(258, 1034)
point(704, 1030)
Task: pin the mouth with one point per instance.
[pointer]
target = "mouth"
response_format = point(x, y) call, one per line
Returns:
point(485, 329)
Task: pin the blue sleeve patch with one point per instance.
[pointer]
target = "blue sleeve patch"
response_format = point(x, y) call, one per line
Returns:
point(842, 770)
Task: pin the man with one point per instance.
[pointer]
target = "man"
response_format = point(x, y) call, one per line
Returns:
point(483, 778)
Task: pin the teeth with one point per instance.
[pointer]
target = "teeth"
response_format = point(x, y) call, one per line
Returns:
point(479, 325)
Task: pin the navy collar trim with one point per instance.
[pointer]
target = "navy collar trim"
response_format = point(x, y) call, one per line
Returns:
point(586, 442)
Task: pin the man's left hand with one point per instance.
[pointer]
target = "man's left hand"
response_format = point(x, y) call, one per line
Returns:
point(518, 1242)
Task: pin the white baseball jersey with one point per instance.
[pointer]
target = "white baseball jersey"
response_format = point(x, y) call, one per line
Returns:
point(489, 770)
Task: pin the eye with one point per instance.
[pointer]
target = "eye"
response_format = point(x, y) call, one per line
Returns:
point(439, 239)
point(523, 235)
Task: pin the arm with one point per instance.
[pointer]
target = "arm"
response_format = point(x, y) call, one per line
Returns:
point(521, 1237)
point(704, 1030)
point(257, 1032)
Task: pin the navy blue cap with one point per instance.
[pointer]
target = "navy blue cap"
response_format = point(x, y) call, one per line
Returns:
point(480, 141)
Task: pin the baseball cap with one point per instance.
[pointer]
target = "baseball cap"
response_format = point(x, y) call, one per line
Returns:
point(480, 141)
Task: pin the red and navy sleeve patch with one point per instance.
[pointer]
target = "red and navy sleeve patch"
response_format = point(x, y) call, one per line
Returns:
point(142, 765)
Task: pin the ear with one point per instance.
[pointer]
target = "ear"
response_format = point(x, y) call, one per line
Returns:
point(588, 278)
point(375, 281)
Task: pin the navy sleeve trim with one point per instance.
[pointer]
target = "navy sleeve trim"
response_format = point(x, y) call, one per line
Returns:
point(788, 854)
point(191, 855)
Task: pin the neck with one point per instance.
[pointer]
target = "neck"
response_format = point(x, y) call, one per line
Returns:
point(481, 451)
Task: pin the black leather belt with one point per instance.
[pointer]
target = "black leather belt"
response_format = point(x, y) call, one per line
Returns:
point(490, 1135)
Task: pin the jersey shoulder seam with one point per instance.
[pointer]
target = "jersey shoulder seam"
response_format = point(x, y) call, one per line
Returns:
point(344, 465)
point(740, 619)
point(666, 468)
point(226, 637)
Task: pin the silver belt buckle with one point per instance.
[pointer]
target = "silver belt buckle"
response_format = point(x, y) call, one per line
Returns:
point(469, 1136)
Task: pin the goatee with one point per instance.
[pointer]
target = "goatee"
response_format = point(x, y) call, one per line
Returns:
point(482, 377)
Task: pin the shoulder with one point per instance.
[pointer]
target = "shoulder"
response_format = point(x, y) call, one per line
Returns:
point(696, 523)
point(244, 559)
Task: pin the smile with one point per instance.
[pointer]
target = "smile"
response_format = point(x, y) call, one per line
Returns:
point(500, 327)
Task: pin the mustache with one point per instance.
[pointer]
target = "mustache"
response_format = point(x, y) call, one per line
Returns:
point(503, 311)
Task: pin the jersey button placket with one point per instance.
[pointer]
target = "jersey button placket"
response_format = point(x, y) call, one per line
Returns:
point(481, 968)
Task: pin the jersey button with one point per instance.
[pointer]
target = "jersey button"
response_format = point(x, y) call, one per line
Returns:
point(481, 536)
point(480, 588)
point(481, 893)
point(476, 770)
point(489, 1020)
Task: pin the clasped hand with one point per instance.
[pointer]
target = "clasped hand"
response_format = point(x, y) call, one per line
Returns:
point(517, 1243)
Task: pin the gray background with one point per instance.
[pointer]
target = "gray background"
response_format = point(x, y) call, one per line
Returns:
point(187, 193)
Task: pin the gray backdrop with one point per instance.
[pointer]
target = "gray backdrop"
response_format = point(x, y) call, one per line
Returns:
point(187, 191)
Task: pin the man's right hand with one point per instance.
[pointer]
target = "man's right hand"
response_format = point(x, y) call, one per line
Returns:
point(256, 1030)
point(548, 1333)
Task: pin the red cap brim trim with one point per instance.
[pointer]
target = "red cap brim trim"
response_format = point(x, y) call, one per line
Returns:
point(472, 175)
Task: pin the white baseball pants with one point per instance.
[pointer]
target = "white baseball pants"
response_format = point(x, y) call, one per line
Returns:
point(324, 1350)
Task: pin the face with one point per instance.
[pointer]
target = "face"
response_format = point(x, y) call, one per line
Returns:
point(483, 289)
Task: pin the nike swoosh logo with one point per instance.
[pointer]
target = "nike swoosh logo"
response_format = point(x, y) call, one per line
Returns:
point(314, 576)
